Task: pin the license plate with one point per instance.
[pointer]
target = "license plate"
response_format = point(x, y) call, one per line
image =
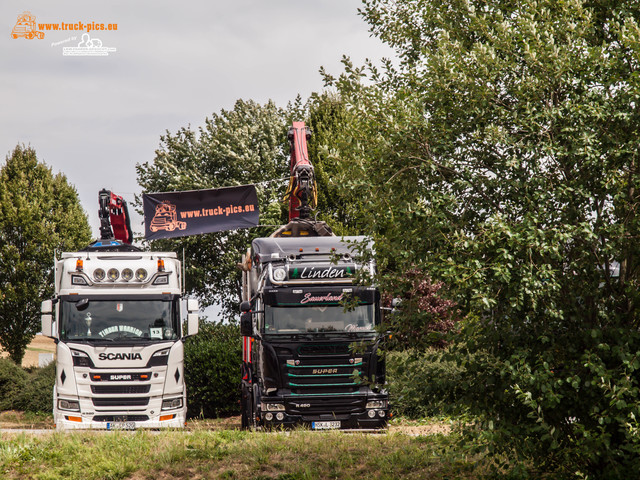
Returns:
point(121, 426)
point(325, 425)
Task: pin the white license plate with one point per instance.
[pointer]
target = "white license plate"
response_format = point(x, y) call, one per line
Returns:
point(121, 426)
point(325, 425)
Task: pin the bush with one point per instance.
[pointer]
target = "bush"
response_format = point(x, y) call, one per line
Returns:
point(30, 391)
point(13, 380)
point(424, 383)
point(38, 393)
point(212, 369)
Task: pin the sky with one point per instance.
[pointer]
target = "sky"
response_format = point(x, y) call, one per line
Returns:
point(165, 65)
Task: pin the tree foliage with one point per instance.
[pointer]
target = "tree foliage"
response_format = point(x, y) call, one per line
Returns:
point(235, 147)
point(212, 369)
point(499, 154)
point(248, 144)
point(40, 213)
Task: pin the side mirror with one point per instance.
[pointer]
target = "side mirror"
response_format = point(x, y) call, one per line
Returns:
point(46, 319)
point(46, 307)
point(246, 324)
point(192, 323)
point(192, 305)
point(47, 325)
point(245, 307)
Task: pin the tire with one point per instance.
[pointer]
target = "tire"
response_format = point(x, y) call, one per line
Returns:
point(245, 396)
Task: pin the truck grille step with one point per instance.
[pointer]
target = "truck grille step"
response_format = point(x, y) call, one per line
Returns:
point(120, 418)
point(120, 389)
point(120, 402)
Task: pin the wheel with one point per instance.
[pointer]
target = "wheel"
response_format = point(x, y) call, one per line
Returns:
point(254, 406)
point(245, 405)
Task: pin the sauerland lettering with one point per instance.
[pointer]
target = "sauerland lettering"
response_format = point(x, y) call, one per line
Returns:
point(309, 298)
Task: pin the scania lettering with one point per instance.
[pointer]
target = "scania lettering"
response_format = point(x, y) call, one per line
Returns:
point(116, 317)
point(302, 314)
point(120, 356)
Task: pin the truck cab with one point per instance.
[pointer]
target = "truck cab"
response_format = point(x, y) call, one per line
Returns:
point(117, 318)
point(310, 344)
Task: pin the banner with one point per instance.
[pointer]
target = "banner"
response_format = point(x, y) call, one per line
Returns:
point(178, 214)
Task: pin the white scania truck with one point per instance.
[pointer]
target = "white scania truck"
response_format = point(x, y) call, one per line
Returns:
point(116, 317)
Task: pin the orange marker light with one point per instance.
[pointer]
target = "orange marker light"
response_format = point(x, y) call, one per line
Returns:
point(79, 265)
point(160, 265)
point(166, 417)
point(74, 419)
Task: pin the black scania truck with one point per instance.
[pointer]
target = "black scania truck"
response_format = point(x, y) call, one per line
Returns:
point(310, 345)
point(302, 314)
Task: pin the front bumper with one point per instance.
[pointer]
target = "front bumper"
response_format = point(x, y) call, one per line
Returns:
point(350, 421)
point(74, 421)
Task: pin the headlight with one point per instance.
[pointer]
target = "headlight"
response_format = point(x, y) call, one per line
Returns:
point(172, 403)
point(377, 404)
point(99, 274)
point(113, 274)
point(161, 280)
point(78, 280)
point(272, 407)
point(127, 274)
point(279, 274)
point(160, 358)
point(80, 359)
point(141, 274)
point(72, 405)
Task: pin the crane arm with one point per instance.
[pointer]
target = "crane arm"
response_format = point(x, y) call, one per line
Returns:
point(114, 217)
point(302, 193)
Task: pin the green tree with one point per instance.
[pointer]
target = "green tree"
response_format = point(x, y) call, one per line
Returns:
point(330, 151)
point(39, 214)
point(247, 144)
point(502, 156)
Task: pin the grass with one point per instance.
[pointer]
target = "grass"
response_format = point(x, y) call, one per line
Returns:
point(217, 448)
point(232, 454)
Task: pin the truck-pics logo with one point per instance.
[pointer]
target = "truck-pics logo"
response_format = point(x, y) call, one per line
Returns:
point(195, 212)
point(26, 27)
point(166, 218)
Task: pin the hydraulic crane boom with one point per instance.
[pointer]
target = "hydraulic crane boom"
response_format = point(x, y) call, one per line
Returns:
point(114, 217)
point(302, 193)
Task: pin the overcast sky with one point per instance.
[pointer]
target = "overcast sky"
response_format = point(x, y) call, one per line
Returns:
point(175, 63)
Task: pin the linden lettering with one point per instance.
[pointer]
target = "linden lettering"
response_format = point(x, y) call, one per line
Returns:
point(310, 272)
point(120, 356)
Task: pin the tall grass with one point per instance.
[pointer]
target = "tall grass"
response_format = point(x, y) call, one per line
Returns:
point(232, 454)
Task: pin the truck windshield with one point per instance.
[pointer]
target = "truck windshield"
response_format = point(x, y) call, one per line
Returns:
point(320, 318)
point(149, 320)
